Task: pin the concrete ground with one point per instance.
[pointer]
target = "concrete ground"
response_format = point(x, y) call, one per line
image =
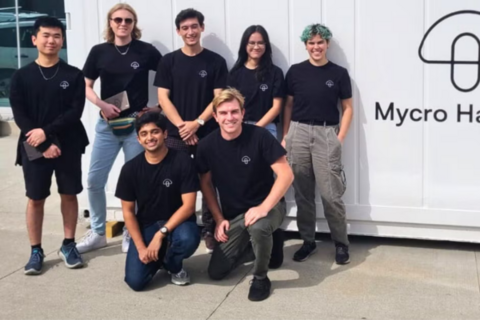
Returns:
point(386, 279)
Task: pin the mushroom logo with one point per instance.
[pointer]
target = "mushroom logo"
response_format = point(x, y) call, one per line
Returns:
point(463, 21)
point(246, 160)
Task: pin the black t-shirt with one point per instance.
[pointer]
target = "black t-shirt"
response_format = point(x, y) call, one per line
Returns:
point(157, 188)
point(55, 105)
point(119, 72)
point(240, 168)
point(191, 81)
point(316, 91)
point(258, 94)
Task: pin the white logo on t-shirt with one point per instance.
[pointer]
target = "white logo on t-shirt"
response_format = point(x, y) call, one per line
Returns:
point(64, 85)
point(263, 87)
point(135, 65)
point(246, 159)
point(330, 83)
point(167, 183)
point(203, 73)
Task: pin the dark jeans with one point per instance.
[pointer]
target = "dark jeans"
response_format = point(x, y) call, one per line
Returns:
point(182, 243)
point(246, 244)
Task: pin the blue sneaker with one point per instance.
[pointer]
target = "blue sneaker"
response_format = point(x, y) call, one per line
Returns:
point(34, 265)
point(71, 256)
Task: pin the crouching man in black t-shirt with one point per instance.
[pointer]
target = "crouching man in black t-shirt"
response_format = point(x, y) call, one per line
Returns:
point(240, 159)
point(163, 183)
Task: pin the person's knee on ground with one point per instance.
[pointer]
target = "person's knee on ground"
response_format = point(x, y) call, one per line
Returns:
point(135, 282)
point(218, 272)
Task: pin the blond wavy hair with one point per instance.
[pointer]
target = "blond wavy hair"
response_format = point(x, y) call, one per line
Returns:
point(228, 95)
point(109, 35)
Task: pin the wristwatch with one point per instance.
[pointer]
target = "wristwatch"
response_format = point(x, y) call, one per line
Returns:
point(200, 121)
point(164, 230)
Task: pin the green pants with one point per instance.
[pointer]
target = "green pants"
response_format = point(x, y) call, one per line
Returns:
point(247, 243)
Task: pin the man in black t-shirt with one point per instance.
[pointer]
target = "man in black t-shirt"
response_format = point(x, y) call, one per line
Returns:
point(163, 184)
point(240, 159)
point(47, 98)
point(187, 80)
point(313, 134)
point(122, 64)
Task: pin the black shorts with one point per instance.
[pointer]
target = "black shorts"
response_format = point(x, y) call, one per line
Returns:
point(38, 174)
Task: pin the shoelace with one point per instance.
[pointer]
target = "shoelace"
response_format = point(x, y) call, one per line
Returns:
point(87, 236)
point(258, 283)
point(341, 250)
point(182, 274)
point(70, 249)
point(36, 256)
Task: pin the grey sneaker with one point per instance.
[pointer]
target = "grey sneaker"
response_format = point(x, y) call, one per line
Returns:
point(180, 279)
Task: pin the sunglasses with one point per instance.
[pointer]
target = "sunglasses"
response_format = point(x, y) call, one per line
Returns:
point(120, 20)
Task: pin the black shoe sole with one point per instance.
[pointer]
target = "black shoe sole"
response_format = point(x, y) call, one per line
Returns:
point(301, 260)
point(256, 299)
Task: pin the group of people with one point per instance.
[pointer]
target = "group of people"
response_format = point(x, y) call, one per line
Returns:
point(213, 131)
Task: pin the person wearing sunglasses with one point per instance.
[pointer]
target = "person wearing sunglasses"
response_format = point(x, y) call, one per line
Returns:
point(187, 81)
point(314, 131)
point(122, 63)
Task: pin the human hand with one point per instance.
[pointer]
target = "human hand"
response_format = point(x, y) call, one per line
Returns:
point(36, 137)
point(193, 140)
point(220, 231)
point(143, 255)
point(52, 152)
point(254, 214)
point(110, 111)
point(284, 143)
point(187, 129)
point(154, 247)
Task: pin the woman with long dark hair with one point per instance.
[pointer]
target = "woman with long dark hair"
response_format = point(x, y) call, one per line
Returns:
point(258, 79)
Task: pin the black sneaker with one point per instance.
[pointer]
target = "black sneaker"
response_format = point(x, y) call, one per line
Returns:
point(259, 289)
point(34, 265)
point(341, 254)
point(276, 259)
point(307, 249)
point(71, 256)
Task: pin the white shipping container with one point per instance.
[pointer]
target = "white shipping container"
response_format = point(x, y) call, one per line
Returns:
point(412, 153)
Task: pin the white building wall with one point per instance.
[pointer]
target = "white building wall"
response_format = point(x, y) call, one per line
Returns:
point(419, 179)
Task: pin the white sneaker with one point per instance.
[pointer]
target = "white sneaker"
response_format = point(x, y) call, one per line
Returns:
point(125, 241)
point(91, 241)
point(180, 279)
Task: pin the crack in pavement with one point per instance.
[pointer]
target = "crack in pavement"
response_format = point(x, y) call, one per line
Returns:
point(15, 271)
point(228, 293)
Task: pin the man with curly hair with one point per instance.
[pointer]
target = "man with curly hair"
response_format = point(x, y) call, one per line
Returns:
point(314, 131)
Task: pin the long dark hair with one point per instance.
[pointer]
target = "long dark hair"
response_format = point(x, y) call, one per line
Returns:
point(265, 61)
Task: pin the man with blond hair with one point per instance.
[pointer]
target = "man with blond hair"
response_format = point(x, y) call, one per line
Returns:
point(122, 64)
point(241, 159)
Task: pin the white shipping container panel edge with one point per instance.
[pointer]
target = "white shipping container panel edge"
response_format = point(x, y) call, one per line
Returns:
point(412, 154)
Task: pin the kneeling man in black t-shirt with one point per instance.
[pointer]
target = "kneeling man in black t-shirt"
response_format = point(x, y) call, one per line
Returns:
point(241, 160)
point(163, 184)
